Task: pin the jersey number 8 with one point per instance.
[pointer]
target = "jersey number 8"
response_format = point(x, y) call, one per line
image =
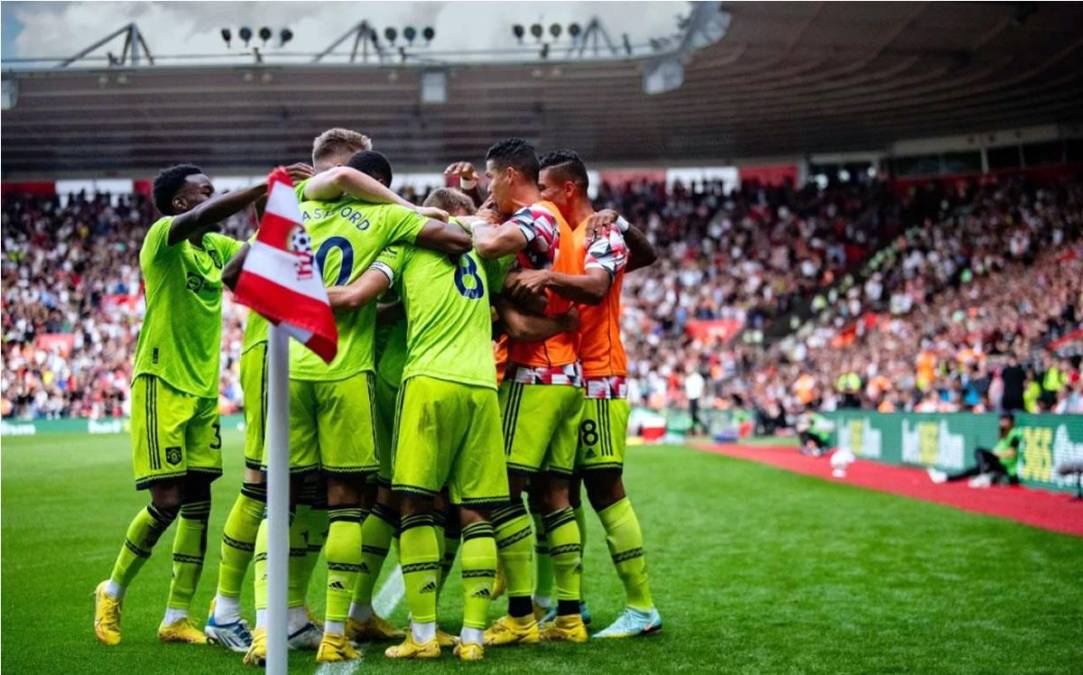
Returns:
point(468, 269)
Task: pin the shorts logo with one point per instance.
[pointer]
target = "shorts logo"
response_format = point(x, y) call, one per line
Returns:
point(173, 455)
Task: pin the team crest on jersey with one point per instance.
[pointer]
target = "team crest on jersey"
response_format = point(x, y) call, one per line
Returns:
point(173, 455)
point(300, 245)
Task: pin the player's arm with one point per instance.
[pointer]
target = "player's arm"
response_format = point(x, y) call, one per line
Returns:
point(448, 237)
point(389, 313)
point(520, 325)
point(343, 180)
point(232, 271)
point(219, 207)
point(468, 181)
point(497, 241)
point(640, 251)
point(361, 292)
point(534, 302)
point(586, 289)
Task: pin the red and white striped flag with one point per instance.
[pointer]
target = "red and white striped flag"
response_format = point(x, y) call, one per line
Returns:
point(279, 278)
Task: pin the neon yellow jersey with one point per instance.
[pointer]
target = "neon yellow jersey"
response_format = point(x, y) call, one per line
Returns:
point(180, 341)
point(347, 236)
point(391, 352)
point(448, 323)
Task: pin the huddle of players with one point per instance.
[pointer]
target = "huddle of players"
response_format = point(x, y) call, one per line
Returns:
point(411, 397)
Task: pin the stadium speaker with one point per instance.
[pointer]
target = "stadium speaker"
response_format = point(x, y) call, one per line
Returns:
point(428, 33)
point(434, 87)
point(265, 34)
point(574, 30)
point(518, 31)
point(284, 36)
point(390, 34)
point(409, 33)
point(555, 30)
point(227, 36)
point(537, 31)
point(245, 34)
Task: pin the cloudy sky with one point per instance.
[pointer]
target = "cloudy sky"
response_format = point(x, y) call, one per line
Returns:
point(60, 29)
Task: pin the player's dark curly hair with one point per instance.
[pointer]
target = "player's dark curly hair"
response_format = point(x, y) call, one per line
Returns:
point(516, 153)
point(168, 182)
point(569, 165)
point(372, 163)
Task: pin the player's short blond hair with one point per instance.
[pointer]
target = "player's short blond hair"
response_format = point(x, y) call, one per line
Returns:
point(339, 140)
point(451, 200)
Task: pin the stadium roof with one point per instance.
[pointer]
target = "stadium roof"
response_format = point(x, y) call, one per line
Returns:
point(787, 79)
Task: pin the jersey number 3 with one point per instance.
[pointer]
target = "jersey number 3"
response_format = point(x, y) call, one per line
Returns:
point(467, 279)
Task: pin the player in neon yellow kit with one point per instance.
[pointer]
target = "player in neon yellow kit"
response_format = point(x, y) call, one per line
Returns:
point(176, 444)
point(331, 409)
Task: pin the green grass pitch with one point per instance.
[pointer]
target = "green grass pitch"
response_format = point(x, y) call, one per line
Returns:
point(755, 570)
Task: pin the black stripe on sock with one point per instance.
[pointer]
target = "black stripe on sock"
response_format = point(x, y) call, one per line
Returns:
point(343, 567)
point(374, 550)
point(237, 544)
point(512, 538)
point(255, 491)
point(507, 513)
point(420, 567)
point(416, 520)
point(565, 548)
point(558, 518)
point(478, 574)
point(138, 552)
point(188, 559)
point(477, 530)
point(630, 554)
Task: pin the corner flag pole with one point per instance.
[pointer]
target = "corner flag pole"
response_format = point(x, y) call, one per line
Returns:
point(278, 497)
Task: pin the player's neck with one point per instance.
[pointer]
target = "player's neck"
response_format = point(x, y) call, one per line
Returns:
point(580, 211)
point(524, 196)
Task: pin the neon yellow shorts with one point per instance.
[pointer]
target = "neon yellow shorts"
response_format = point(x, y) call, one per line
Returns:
point(332, 425)
point(449, 433)
point(173, 433)
point(254, 386)
point(603, 434)
point(541, 426)
point(386, 399)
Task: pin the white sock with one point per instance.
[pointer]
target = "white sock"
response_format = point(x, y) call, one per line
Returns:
point(334, 627)
point(114, 590)
point(423, 632)
point(172, 616)
point(296, 619)
point(261, 618)
point(542, 601)
point(226, 609)
point(360, 612)
point(472, 636)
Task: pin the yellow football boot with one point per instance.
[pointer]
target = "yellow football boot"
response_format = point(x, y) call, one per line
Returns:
point(565, 628)
point(257, 653)
point(182, 631)
point(510, 630)
point(469, 651)
point(336, 648)
point(372, 629)
point(445, 639)
point(412, 650)
point(106, 616)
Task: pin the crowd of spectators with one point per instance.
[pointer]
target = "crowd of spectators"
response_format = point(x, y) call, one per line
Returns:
point(931, 299)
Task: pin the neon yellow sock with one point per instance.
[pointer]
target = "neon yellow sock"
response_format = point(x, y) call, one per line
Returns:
point(543, 580)
point(515, 547)
point(143, 533)
point(376, 533)
point(452, 541)
point(297, 585)
point(343, 551)
point(479, 573)
point(259, 566)
point(189, 550)
point(419, 553)
point(564, 547)
point(239, 539)
point(625, 541)
point(314, 528)
point(581, 521)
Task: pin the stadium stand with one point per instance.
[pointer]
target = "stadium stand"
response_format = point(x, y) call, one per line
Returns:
point(954, 286)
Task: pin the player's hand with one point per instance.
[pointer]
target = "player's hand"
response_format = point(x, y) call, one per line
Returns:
point(300, 171)
point(571, 320)
point(599, 224)
point(462, 170)
point(490, 216)
point(434, 213)
point(528, 284)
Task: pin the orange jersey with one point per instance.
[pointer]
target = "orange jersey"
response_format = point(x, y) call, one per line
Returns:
point(559, 350)
point(600, 348)
point(500, 354)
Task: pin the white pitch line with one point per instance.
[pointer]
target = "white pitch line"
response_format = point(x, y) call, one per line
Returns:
point(390, 594)
point(384, 604)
